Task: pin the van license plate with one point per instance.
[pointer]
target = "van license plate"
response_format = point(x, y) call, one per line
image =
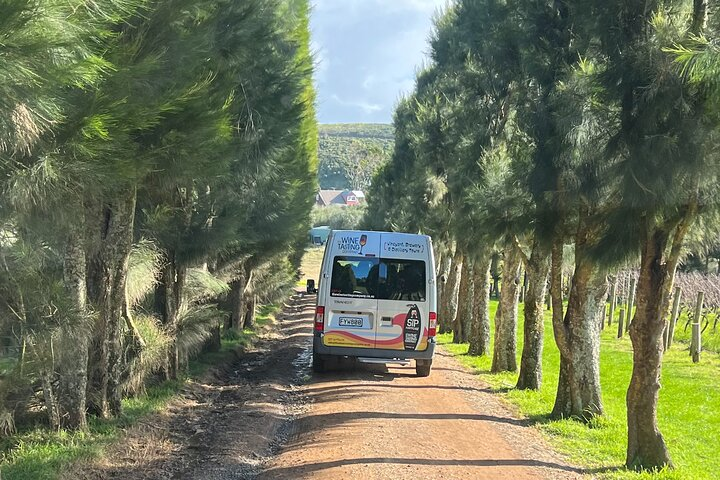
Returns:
point(350, 322)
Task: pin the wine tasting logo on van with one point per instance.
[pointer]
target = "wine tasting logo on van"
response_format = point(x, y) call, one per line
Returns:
point(352, 244)
point(411, 330)
point(363, 242)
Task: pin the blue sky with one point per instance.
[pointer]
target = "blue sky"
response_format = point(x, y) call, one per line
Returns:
point(367, 52)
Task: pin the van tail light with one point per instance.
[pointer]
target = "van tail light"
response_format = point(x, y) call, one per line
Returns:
point(319, 319)
point(432, 328)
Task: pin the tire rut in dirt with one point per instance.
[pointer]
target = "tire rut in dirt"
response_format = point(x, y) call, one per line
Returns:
point(259, 399)
point(229, 425)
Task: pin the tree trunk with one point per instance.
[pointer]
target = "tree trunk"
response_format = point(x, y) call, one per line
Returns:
point(214, 343)
point(73, 339)
point(700, 16)
point(463, 320)
point(505, 347)
point(630, 303)
point(171, 289)
point(442, 287)
point(494, 272)
point(646, 445)
point(613, 300)
point(236, 305)
point(578, 338)
point(538, 268)
point(449, 303)
point(250, 310)
point(480, 331)
point(108, 287)
point(50, 398)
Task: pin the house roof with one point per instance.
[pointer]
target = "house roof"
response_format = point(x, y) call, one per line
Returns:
point(331, 197)
point(337, 197)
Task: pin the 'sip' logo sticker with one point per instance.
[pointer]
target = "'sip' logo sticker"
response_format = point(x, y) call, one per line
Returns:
point(411, 331)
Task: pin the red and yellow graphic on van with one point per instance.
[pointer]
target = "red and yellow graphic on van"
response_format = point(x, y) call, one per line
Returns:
point(341, 338)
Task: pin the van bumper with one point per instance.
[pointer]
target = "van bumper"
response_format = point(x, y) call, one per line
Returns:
point(321, 349)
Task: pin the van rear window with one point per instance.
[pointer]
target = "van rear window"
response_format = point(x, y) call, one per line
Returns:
point(384, 279)
point(402, 280)
point(354, 277)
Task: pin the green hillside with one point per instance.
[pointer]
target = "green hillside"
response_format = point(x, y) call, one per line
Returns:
point(351, 152)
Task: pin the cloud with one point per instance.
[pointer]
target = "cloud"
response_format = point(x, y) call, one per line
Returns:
point(364, 106)
point(367, 52)
point(321, 60)
point(345, 6)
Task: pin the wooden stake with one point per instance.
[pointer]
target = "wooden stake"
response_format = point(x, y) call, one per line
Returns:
point(621, 319)
point(696, 341)
point(673, 318)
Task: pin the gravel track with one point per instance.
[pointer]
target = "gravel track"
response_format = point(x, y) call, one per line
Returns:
point(264, 416)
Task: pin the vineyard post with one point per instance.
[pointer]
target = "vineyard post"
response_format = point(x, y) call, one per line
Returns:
point(630, 303)
point(696, 342)
point(621, 319)
point(670, 332)
point(613, 289)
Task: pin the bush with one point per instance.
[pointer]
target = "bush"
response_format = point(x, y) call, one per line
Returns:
point(232, 334)
point(338, 217)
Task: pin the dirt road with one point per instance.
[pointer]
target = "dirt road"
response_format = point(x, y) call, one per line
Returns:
point(266, 416)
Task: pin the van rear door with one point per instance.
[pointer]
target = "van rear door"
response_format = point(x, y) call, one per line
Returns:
point(403, 293)
point(351, 307)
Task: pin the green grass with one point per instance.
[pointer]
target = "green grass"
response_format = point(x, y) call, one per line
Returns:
point(688, 412)
point(710, 337)
point(311, 264)
point(6, 364)
point(39, 454)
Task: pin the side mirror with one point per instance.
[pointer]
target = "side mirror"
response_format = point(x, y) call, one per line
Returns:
point(310, 286)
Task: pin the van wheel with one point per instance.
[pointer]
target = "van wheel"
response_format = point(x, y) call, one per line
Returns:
point(422, 367)
point(318, 364)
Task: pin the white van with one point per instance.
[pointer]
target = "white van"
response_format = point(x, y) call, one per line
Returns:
point(376, 300)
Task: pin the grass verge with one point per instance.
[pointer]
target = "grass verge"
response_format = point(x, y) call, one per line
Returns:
point(310, 267)
point(39, 454)
point(688, 413)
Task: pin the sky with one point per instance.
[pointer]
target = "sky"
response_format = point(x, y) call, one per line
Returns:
point(366, 54)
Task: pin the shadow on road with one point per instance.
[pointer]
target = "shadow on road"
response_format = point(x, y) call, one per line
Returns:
point(297, 472)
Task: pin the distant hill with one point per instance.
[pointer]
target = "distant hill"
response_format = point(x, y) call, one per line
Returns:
point(349, 153)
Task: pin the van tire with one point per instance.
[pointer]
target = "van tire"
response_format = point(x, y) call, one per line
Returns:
point(318, 364)
point(422, 367)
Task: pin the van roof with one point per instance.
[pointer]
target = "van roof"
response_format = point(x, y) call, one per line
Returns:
point(382, 232)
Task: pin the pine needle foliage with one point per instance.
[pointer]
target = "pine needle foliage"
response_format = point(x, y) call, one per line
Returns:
point(148, 151)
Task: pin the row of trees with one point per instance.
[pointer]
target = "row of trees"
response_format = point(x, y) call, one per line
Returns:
point(158, 163)
point(558, 132)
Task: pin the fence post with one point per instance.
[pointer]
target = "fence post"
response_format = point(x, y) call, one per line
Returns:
point(621, 319)
point(670, 333)
point(696, 341)
point(630, 303)
point(611, 313)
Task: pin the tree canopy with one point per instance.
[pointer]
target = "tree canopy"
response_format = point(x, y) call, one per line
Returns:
point(544, 128)
point(153, 155)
